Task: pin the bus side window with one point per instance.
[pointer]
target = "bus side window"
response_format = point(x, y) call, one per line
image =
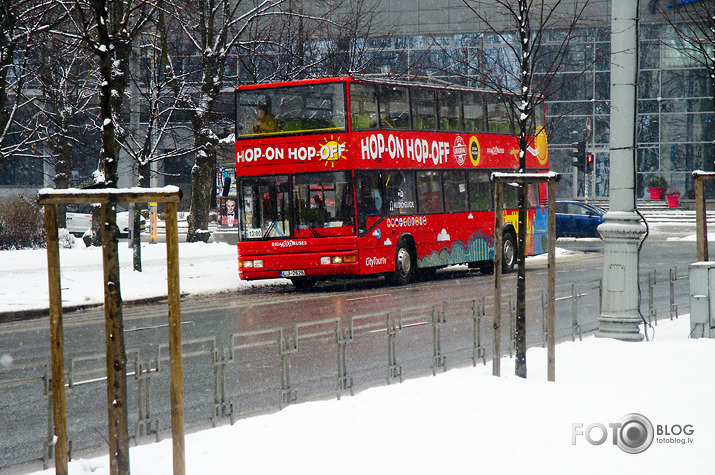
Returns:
point(456, 197)
point(474, 113)
point(424, 112)
point(511, 195)
point(499, 118)
point(450, 110)
point(369, 198)
point(480, 191)
point(429, 192)
point(394, 107)
point(400, 193)
point(363, 106)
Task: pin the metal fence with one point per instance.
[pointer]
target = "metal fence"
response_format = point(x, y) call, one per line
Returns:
point(230, 376)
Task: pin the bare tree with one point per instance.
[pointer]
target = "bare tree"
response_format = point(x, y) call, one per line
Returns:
point(522, 77)
point(152, 122)
point(67, 78)
point(20, 22)
point(210, 31)
point(342, 46)
point(108, 30)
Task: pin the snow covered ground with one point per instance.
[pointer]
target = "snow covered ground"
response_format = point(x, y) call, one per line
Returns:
point(467, 421)
point(462, 421)
point(204, 268)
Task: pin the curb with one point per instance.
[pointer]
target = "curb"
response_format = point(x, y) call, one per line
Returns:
point(37, 313)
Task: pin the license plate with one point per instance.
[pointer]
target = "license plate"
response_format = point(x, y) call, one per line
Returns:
point(293, 273)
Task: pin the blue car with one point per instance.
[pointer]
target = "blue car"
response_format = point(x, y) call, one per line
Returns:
point(576, 219)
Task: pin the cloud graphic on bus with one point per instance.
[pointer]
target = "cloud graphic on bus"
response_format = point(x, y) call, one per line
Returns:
point(443, 235)
point(387, 242)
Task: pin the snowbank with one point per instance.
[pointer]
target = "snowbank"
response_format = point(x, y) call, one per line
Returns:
point(467, 421)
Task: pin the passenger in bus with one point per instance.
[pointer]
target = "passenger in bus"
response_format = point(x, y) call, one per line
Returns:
point(346, 213)
point(265, 123)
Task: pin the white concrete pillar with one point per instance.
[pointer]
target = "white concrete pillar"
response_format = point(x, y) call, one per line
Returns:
point(622, 230)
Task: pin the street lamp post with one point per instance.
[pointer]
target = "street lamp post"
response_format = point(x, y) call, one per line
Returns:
point(622, 230)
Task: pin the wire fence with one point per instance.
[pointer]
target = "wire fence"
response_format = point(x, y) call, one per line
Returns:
point(236, 375)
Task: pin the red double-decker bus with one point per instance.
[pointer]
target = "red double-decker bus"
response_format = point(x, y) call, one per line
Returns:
point(350, 177)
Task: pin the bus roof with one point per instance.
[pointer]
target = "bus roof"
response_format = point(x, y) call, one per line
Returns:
point(294, 83)
point(416, 81)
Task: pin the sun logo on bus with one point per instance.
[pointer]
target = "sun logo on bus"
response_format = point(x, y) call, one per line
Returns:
point(332, 150)
point(540, 146)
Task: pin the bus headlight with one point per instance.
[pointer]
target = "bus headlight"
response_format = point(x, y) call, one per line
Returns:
point(327, 260)
point(257, 263)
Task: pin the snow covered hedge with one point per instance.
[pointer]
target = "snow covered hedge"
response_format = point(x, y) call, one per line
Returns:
point(21, 224)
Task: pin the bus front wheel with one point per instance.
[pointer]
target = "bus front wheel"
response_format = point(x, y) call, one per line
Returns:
point(404, 265)
point(303, 283)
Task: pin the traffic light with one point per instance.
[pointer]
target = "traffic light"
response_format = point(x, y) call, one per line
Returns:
point(578, 155)
point(589, 163)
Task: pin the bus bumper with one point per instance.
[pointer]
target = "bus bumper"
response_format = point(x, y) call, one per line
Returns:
point(274, 266)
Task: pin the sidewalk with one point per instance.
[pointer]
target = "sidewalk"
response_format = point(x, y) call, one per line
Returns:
point(205, 268)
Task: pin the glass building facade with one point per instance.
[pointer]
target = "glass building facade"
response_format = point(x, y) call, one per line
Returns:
point(675, 120)
point(444, 40)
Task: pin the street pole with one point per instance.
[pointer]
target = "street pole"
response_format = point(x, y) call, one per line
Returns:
point(622, 230)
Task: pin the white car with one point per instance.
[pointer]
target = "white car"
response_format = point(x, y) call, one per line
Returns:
point(79, 219)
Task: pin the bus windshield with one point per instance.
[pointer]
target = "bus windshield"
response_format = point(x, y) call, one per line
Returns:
point(322, 205)
point(264, 210)
point(290, 110)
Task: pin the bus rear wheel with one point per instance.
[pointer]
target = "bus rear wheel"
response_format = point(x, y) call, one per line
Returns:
point(508, 258)
point(404, 265)
point(509, 253)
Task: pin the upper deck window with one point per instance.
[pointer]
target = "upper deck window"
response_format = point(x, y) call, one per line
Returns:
point(475, 116)
point(424, 109)
point(291, 109)
point(450, 110)
point(363, 106)
point(394, 107)
point(500, 120)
